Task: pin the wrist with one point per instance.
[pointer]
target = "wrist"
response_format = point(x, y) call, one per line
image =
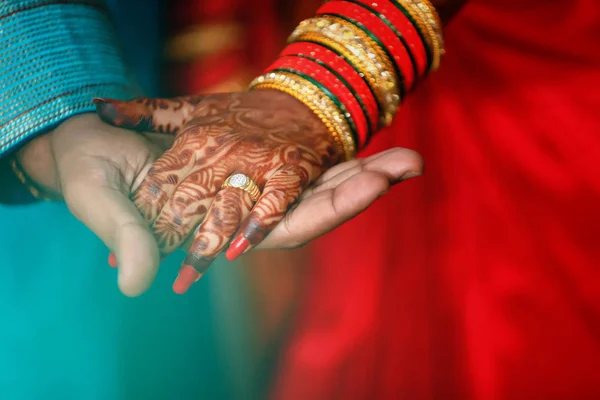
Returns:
point(302, 109)
point(307, 104)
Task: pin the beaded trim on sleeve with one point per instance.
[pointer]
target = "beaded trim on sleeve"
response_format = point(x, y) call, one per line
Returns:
point(56, 57)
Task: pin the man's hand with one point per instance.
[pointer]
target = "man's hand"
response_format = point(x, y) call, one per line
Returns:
point(95, 168)
point(342, 193)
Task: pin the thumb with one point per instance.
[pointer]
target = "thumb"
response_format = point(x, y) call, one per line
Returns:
point(103, 206)
point(145, 114)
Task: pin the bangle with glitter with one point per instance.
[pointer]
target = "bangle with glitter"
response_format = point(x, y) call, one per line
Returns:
point(314, 98)
point(359, 59)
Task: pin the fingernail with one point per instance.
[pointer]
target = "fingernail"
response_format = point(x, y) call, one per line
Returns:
point(410, 175)
point(186, 278)
point(112, 260)
point(237, 247)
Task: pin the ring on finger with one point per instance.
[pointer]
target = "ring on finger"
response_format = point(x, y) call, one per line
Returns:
point(243, 182)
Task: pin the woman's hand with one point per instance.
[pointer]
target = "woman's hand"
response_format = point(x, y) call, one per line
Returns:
point(266, 135)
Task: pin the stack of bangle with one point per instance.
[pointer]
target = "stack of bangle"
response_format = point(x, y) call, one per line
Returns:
point(353, 63)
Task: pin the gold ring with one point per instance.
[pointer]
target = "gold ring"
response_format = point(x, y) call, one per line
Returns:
point(241, 181)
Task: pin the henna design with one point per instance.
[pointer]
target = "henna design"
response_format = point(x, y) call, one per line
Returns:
point(187, 207)
point(229, 208)
point(281, 191)
point(267, 135)
point(141, 113)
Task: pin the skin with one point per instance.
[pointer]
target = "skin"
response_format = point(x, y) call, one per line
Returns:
point(267, 135)
point(95, 167)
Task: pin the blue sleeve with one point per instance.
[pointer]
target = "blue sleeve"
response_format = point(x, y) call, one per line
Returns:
point(55, 57)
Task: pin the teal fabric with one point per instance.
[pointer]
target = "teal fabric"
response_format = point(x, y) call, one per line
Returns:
point(67, 333)
point(56, 57)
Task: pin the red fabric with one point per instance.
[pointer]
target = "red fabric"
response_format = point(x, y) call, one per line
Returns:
point(480, 280)
point(258, 23)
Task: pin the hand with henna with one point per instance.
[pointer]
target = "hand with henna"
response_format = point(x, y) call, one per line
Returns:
point(268, 136)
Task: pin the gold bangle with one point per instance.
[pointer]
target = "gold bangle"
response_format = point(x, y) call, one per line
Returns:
point(433, 20)
point(25, 181)
point(351, 58)
point(373, 62)
point(367, 41)
point(428, 25)
point(316, 101)
point(433, 11)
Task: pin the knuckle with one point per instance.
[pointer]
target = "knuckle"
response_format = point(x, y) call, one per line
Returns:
point(149, 189)
point(277, 193)
point(172, 221)
point(201, 245)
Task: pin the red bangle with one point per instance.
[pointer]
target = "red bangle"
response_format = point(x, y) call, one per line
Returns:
point(403, 26)
point(375, 27)
point(334, 85)
point(343, 97)
point(360, 87)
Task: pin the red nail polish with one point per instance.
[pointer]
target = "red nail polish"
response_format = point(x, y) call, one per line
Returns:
point(112, 260)
point(237, 247)
point(186, 278)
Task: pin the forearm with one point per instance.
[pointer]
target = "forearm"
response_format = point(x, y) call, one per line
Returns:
point(356, 60)
point(56, 57)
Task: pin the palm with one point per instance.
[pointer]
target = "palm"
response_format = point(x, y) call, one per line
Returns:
point(340, 194)
point(98, 167)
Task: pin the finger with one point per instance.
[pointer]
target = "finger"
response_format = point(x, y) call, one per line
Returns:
point(162, 180)
point(339, 168)
point(107, 211)
point(281, 191)
point(145, 114)
point(186, 208)
point(395, 163)
point(340, 198)
point(229, 208)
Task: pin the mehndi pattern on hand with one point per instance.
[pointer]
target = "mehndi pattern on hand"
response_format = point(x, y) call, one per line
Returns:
point(267, 135)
